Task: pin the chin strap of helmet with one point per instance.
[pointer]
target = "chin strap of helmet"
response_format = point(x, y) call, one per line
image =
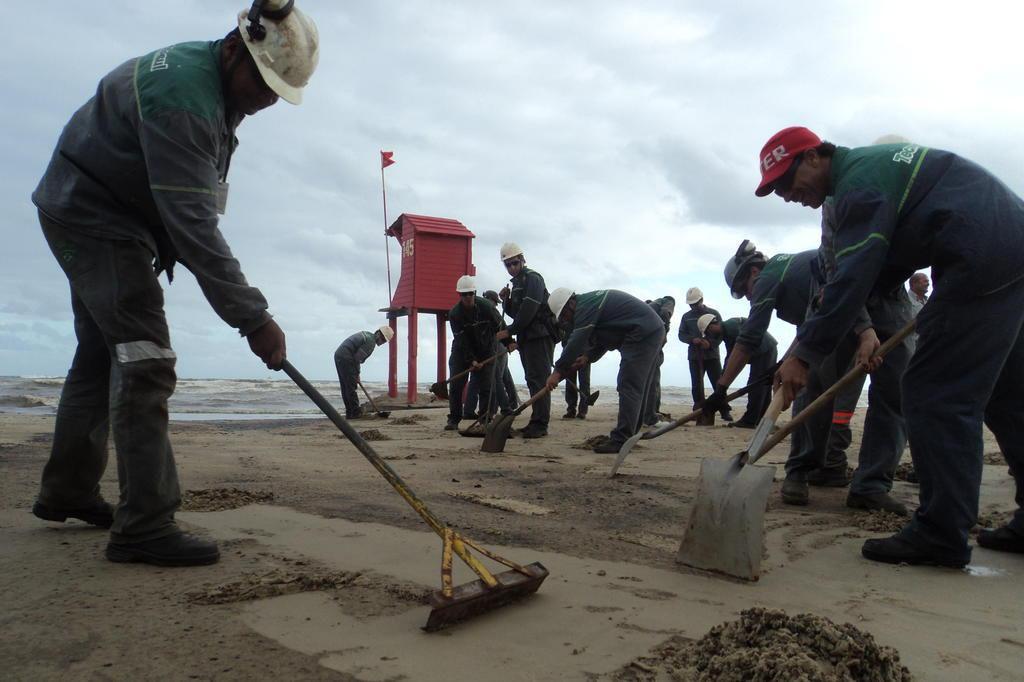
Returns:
point(255, 29)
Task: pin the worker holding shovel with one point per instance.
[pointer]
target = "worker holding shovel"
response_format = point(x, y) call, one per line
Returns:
point(898, 208)
point(474, 321)
point(610, 320)
point(351, 354)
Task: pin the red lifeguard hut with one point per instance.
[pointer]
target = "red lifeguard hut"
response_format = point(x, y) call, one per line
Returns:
point(435, 253)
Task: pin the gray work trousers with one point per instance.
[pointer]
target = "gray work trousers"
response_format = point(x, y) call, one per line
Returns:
point(760, 396)
point(636, 370)
point(119, 381)
point(537, 356)
point(457, 387)
point(348, 376)
point(653, 403)
point(968, 368)
point(573, 400)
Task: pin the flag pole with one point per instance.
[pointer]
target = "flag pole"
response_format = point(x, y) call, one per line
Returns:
point(387, 250)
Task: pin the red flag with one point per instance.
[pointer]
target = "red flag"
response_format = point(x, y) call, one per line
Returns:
point(385, 159)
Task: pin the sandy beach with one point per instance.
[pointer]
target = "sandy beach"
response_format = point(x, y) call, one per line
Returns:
point(324, 568)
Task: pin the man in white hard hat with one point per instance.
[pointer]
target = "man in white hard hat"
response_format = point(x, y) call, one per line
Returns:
point(534, 329)
point(703, 353)
point(899, 208)
point(475, 322)
point(349, 357)
point(762, 359)
point(606, 320)
point(135, 184)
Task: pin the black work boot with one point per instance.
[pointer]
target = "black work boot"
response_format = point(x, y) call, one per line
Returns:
point(829, 477)
point(452, 425)
point(570, 413)
point(876, 502)
point(896, 550)
point(794, 491)
point(176, 549)
point(582, 414)
point(726, 415)
point(533, 431)
point(1002, 539)
point(100, 513)
point(607, 447)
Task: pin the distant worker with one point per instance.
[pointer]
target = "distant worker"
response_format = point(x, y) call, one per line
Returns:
point(900, 207)
point(534, 330)
point(474, 321)
point(348, 358)
point(919, 284)
point(665, 307)
point(575, 396)
point(762, 359)
point(703, 354)
point(504, 386)
point(610, 320)
point(135, 185)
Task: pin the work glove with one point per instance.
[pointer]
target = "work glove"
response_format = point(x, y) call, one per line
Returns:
point(716, 401)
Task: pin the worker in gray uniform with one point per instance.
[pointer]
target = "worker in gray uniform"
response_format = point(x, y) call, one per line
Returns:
point(475, 322)
point(703, 353)
point(534, 330)
point(348, 359)
point(665, 307)
point(899, 208)
point(762, 359)
point(610, 320)
point(135, 184)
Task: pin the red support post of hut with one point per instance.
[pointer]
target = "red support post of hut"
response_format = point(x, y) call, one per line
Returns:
point(435, 253)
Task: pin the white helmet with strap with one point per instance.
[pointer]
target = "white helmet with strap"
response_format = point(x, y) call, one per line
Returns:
point(283, 42)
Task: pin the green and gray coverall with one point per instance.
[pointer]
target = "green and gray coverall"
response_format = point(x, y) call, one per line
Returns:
point(131, 188)
point(352, 353)
point(534, 329)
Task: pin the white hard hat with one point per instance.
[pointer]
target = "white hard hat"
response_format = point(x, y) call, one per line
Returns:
point(466, 284)
point(891, 139)
point(693, 294)
point(510, 250)
point(558, 298)
point(284, 43)
point(387, 332)
point(703, 321)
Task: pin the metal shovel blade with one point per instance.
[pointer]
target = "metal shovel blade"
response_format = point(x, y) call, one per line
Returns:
point(624, 451)
point(440, 390)
point(497, 433)
point(725, 532)
point(592, 398)
point(475, 598)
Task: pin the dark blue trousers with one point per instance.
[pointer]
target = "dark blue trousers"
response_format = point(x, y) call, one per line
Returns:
point(968, 369)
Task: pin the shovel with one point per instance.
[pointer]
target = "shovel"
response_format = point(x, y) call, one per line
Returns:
point(382, 415)
point(725, 532)
point(440, 388)
point(661, 430)
point(449, 604)
point(498, 429)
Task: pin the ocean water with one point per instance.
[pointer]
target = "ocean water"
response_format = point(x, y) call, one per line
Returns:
point(208, 399)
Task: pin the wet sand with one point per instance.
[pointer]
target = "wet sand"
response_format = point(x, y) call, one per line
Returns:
point(325, 568)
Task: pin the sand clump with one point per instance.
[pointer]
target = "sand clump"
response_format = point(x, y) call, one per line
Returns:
point(766, 644)
point(219, 499)
point(270, 584)
point(374, 434)
point(905, 472)
point(409, 420)
point(880, 521)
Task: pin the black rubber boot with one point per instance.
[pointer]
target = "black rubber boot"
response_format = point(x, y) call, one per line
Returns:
point(876, 502)
point(570, 413)
point(100, 514)
point(794, 491)
point(896, 550)
point(1002, 539)
point(177, 549)
point(607, 447)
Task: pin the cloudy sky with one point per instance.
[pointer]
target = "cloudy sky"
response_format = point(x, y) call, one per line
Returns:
point(616, 142)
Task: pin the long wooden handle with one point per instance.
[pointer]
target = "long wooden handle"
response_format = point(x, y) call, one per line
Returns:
point(533, 398)
point(367, 394)
point(467, 371)
point(851, 376)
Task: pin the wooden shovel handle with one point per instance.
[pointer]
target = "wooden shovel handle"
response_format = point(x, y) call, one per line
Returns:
point(467, 371)
point(851, 376)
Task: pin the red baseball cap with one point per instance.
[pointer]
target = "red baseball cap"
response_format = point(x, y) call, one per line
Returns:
point(778, 153)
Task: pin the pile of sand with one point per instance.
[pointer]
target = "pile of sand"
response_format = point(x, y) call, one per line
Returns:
point(410, 419)
point(271, 584)
point(219, 499)
point(374, 434)
point(995, 457)
point(880, 521)
point(768, 645)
